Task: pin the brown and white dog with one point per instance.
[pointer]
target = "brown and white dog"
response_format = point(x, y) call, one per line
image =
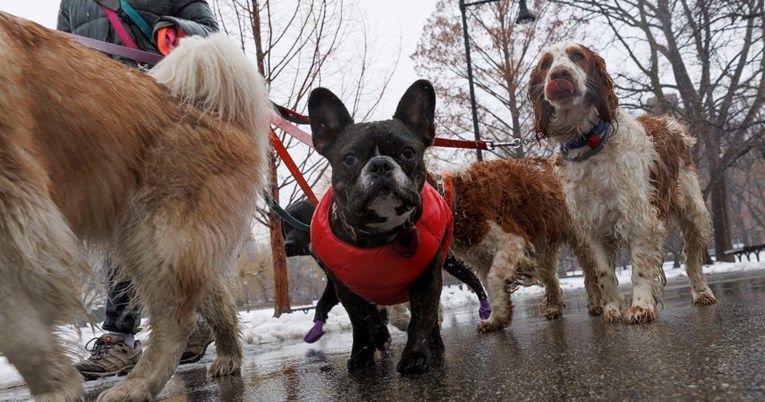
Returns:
point(510, 225)
point(163, 171)
point(624, 178)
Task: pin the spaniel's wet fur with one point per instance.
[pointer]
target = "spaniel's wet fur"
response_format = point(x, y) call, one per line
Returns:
point(642, 177)
point(510, 225)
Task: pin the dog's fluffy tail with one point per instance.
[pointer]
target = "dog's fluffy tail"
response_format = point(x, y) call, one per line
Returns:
point(214, 73)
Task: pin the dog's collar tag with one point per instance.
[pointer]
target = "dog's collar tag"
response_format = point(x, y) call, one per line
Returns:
point(595, 139)
point(408, 242)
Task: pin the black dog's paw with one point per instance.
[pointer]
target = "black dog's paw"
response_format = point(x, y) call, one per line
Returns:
point(436, 343)
point(381, 337)
point(413, 363)
point(382, 343)
point(361, 360)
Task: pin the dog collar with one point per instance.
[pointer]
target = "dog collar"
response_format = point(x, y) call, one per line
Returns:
point(374, 239)
point(595, 139)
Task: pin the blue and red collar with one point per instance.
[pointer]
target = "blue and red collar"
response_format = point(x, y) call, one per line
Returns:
point(595, 139)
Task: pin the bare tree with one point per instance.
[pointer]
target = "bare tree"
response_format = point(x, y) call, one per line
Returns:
point(712, 54)
point(501, 53)
point(748, 198)
point(299, 45)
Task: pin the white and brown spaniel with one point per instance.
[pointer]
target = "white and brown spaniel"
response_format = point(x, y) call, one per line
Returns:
point(624, 178)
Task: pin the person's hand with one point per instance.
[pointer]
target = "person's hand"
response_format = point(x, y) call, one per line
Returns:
point(167, 38)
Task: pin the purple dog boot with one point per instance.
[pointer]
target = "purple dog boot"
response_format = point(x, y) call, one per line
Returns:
point(485, 311)
point(315, 333)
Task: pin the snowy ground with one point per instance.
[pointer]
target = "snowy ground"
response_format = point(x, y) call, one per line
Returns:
point(261, 327)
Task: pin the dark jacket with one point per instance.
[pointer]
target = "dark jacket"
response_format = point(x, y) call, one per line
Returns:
point(87, 18)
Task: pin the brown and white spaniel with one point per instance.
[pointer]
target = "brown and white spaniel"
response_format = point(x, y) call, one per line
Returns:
point(624, 178)
point(510, 224)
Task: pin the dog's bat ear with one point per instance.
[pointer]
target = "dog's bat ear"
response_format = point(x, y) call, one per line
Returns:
point(329, 118)
point(417, 110)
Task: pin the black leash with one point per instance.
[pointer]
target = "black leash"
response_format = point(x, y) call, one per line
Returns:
point(286, 216)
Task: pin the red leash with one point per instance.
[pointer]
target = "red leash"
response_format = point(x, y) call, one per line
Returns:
point(290, 163)
point(290, 116)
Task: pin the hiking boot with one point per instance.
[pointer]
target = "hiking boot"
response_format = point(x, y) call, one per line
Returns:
point(109, 357)
point(198, 342)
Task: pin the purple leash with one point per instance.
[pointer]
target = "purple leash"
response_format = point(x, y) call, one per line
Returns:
point(139, 56)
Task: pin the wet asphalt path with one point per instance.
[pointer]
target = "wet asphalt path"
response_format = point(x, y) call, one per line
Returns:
point(691, 353)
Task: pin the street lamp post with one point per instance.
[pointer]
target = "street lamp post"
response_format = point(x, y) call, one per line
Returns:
point(473, 110)
point(524, 17)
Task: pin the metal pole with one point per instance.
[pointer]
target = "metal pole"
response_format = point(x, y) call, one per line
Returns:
point(479, 155)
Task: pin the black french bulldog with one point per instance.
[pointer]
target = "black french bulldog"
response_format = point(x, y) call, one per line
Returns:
point(380, 233)
point(297, 241)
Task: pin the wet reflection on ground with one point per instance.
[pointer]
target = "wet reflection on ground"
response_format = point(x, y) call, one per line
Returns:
point(690, 353)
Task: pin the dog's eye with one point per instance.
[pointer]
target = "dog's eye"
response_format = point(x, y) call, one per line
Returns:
point(545, 65)
point(577, 56)
point(408, 153)
point(349, 159)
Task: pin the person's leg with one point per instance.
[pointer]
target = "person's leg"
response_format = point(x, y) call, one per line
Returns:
point(115, 352)
point(199, 339)
point(122, 314)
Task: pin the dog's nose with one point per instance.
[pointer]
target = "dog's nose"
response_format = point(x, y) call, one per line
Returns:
point(380, 167)
point(560, 73)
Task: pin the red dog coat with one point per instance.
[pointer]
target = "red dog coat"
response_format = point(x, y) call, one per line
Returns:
point(380, 274)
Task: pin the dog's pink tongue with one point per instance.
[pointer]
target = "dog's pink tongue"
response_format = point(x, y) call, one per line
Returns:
point(407, 242)
point(558, 86)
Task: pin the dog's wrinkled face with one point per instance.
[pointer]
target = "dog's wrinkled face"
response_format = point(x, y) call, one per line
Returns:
point(377, 168)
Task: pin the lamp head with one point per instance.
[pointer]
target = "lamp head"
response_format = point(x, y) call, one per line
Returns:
point(524, 15)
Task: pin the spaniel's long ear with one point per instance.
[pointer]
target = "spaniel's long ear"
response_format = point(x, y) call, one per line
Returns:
point(543, 111)
point(602, 94)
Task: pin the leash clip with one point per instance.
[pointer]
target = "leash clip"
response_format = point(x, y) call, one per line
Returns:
point(515, 143)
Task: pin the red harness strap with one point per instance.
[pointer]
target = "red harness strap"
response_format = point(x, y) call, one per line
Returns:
point(119, 29)
point(290, 163)
point(380, 274)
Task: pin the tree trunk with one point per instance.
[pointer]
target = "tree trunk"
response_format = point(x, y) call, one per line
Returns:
point(281, 283)
point(676, 257)
point(721, 221)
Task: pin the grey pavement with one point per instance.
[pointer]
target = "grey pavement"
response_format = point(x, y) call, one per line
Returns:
point(689, 354)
